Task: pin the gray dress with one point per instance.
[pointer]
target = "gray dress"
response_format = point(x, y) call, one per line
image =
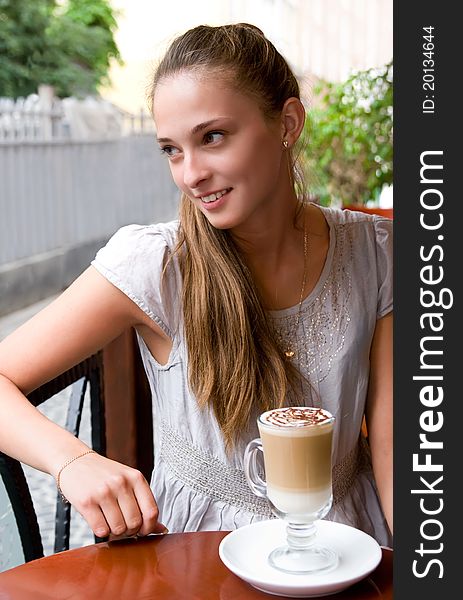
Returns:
point(197, 485)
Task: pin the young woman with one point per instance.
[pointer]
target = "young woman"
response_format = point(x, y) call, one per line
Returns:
point(253, 299)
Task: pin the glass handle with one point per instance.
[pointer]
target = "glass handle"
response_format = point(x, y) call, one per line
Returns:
point(251, 471)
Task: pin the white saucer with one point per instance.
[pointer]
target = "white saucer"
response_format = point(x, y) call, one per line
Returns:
point(245, 551)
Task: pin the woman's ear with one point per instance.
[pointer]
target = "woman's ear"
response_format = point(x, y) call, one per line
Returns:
point(292, 120)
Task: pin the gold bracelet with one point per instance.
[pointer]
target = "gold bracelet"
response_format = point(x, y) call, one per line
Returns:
point(66, 464)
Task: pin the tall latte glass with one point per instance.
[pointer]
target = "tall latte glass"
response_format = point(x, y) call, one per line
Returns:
point(296, 444)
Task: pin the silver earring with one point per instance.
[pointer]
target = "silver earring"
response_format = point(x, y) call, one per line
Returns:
point(286, 144)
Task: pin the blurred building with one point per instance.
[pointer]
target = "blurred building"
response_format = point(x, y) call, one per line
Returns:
point(326, 38)
point(320, 38)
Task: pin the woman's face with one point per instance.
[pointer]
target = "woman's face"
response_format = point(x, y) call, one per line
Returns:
point(223, 154)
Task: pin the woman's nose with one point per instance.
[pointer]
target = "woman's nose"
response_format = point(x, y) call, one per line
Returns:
point(194, 171)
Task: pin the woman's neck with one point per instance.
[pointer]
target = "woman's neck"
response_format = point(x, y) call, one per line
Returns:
point(276, 256)
point(272, 235)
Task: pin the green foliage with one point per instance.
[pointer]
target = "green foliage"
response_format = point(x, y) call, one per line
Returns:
point(347, 138)
point(69, 46)
point(22, 44)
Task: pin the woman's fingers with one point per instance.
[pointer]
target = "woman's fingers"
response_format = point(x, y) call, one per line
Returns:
point(128, 518)
point(119, 523)
point(96, 520)
point(148, 508)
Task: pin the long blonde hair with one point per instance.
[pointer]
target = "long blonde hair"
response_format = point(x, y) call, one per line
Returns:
point(235, 365)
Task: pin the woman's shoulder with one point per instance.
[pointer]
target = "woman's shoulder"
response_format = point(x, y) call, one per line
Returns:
point(361, 225)
point(135, 242)
point(133, 260)
point(137, 251)
point(146, 235)
point(346, 216)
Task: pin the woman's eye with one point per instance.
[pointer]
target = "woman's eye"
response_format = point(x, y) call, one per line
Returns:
point(169, 150)
point(213, 136)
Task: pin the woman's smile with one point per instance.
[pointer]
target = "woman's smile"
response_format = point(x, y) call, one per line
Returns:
point(214, 200)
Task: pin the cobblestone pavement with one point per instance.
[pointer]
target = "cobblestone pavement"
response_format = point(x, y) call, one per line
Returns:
point(42, 485)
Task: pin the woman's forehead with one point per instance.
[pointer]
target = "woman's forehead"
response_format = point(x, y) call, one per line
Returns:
point(187, 99)
point(197, 81)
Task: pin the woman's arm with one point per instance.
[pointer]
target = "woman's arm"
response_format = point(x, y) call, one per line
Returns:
point(379, 413)
point(113, 498)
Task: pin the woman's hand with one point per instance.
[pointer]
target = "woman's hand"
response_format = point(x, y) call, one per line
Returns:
point(114, 499)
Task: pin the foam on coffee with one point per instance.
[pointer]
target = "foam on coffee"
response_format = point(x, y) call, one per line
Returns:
point(297, 455)
point(295, 416)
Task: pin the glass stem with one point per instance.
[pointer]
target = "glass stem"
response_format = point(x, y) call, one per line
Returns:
point(300, 536)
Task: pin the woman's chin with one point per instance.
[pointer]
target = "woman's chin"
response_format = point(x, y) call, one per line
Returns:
point(221, 221)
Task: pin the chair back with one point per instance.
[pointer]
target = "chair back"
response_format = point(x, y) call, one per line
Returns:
point(20, 537)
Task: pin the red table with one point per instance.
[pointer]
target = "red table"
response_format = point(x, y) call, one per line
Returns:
point(175, 566)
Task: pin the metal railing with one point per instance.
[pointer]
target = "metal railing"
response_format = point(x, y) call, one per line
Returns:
point(63, 195)
point(66, 193)
point(42, 117)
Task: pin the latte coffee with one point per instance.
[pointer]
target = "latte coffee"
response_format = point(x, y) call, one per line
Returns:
point(297, 456)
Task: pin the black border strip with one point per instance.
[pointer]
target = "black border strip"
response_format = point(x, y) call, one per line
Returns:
point(427, 126)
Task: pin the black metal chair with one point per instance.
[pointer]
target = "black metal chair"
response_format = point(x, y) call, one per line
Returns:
point(87, 373)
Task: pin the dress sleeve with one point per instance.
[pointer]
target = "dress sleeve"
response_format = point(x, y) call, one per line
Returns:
point(133, 260)
point(384, 263)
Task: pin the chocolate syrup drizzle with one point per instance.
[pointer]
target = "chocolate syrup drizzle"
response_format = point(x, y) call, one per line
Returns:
point(296, 417)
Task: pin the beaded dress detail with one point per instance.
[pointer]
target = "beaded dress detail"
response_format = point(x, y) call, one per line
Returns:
point(324, 318)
